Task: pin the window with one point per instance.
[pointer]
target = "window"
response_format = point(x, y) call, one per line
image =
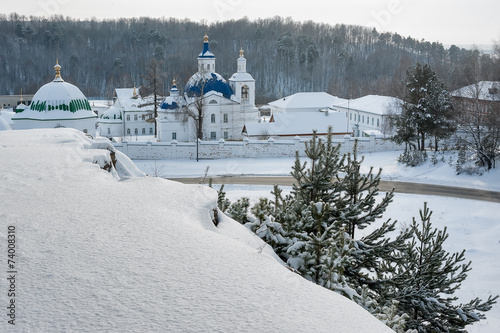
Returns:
point(143, 130)
point(128, 117)
point(213, 101)
point(143, 117)
point(135, 117)
point(212, 118)
point(226, 135)
point(373, 120)
point(244, 93)
point(128, 131)
point(378, 122)
point(213, 136)
point(174, 136)
point(363, 119)
point(109, 130)
point(136, 131)
point(225, 118)
point(150, 130)
point(350, 116)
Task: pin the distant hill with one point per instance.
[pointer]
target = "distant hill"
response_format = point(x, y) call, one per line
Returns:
point(283, 56)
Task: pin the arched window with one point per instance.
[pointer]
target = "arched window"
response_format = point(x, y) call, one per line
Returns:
point(136, 131)
point(244, 93)
point(213, 101)
point(225, 118)
point(212, 118)
point(143, 130)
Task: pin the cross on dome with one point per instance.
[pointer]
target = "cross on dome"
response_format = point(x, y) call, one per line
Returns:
point(57, 68)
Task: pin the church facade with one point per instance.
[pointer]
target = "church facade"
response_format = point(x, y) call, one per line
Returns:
point(210, 107)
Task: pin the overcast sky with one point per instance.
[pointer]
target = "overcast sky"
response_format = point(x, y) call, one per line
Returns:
point(460, 22)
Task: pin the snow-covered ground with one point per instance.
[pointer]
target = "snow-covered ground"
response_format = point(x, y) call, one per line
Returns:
point(441, 173)
point(472, 225)
point(99, 251)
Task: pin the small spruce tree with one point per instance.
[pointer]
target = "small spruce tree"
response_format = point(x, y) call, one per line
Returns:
point(238, 210)
point(427, 279)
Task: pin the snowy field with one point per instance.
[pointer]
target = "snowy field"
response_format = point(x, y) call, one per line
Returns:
point(99, 251)
point(441, 173)
point(472, 225)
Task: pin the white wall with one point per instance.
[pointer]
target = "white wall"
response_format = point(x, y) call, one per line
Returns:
point(87, 125)
point(246, 148)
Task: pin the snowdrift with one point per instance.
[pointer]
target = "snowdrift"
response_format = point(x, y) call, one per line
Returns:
point(117, 251)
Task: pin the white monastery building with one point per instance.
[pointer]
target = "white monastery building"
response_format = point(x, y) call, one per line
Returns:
point(57, 104)
point(305, 102)
point(226, 106)
point(130, 116)
point(299, 115)
point(367, 115)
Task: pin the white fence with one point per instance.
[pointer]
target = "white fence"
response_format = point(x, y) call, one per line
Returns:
point(246, 148)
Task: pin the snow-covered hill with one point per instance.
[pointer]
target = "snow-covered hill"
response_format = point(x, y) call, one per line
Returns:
point(472, 225)
point(117, 252)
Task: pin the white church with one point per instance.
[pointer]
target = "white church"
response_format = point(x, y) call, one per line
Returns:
point(226, 106)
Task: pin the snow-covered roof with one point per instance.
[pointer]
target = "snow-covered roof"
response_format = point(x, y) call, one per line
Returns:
point(57, 100)
point(21, 107)
point(375, 104)
point(301, 124)
point(112, 115)
point(483, 90)
point(306, 100)
point(102, 261)
point(242, 77)
point(129, 99)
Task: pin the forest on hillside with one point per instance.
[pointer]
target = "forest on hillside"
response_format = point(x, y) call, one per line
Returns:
point(283, 56)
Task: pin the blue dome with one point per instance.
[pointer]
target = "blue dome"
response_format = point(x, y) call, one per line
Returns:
point(208, 82)
point(169, 103)
point(206, 53)
point(174, 101)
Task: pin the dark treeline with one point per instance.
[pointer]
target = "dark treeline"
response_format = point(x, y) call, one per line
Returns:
point(284, 56)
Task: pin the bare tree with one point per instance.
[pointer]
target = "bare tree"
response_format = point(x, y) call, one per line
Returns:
point(154, 78)
point(479, 120)
point(195, 106)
